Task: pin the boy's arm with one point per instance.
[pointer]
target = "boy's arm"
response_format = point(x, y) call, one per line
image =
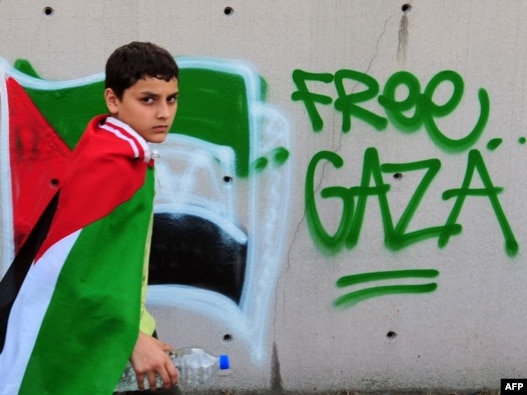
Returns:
point(150, 357)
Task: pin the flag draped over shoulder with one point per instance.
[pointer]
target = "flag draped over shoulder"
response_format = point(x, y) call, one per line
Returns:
point(75, 319)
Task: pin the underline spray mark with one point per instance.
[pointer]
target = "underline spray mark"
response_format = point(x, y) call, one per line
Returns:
point(354, 297)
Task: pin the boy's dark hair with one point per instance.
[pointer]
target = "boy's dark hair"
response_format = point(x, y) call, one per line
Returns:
point(135, 61)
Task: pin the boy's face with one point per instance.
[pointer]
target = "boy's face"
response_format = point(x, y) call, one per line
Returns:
point(149, 107)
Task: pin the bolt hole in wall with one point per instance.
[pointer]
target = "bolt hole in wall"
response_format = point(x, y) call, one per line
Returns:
point(227, 338)
point(406, 7)
point(398, 176)
point(48, 11)
point(391, 335)
point(228, 11)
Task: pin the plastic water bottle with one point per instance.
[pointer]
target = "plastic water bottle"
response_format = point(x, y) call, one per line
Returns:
point(195, 366)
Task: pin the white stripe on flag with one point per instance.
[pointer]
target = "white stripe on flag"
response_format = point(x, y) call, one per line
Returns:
point(28, 312)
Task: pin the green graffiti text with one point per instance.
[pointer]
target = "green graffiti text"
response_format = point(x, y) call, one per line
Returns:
point(420, 104)
point(372, 185)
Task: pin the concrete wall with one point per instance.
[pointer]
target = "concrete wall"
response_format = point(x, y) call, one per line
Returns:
point(344, 190)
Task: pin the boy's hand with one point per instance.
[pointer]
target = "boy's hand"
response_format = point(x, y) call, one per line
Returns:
point(150, 357)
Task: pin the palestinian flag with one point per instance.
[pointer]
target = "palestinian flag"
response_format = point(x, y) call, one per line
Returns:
point(75, 319)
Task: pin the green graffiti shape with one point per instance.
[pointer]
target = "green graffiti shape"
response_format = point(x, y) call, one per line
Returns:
point(26, 67)
point(302, 93)
point(329, 243)
point(371, 170)
point(213, 106)
point(260, 164)
point(355, 297)
point(434, 110)
point(280, 155)
point(475, 163)
point(354, 200)
point(346, 103)
point(494, 143)
point(277, 157)
point(396, 109)
point(352, 217)
point(426, 110)
point(399, 239)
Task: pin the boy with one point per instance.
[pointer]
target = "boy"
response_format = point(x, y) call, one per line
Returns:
point(79, 315)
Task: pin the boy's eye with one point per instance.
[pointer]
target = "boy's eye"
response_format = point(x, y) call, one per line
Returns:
point(172, 99)
point(147, 100)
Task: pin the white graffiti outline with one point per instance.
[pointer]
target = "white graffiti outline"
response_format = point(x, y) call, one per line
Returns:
point(267, 217)
point(5, 175)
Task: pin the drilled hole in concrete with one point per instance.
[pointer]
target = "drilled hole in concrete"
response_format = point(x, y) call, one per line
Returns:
point(48, 11)
point(228, 11)
point(227, 337)
point(227, 179)
point(391, 335)
point(398, 176)
point(406, 7)
point(54, 182)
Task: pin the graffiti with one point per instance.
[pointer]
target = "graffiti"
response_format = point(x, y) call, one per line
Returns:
point(351, 298)
point(354, 201)
point(425, 110)
point(409, 109)
point(222, 188)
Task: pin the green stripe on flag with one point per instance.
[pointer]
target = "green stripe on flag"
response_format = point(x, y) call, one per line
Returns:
point(92, 323)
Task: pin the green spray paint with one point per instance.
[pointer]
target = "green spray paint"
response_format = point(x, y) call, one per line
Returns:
point(351, 298)
point(494, 143)
point(372, 185)
point(425, 110)
point(475, 163)
point(417, 110)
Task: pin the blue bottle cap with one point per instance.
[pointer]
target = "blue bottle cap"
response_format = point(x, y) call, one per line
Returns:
point(224, 361)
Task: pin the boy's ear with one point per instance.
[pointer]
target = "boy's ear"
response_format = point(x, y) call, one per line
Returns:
point(112, 101)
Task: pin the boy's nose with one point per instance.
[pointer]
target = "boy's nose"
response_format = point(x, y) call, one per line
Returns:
point(163, 111)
